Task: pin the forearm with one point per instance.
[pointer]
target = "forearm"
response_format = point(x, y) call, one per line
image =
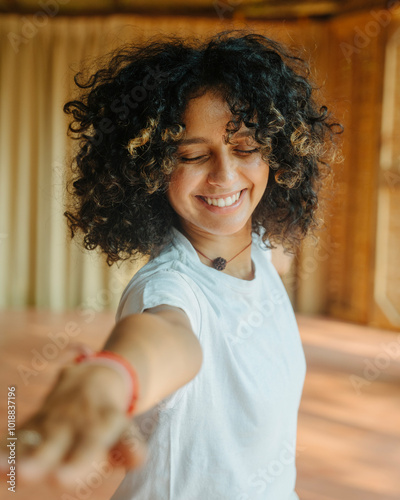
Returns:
point(162, 353)
point(84, 415)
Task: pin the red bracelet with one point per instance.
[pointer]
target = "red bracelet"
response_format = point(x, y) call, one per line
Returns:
point(119, 363)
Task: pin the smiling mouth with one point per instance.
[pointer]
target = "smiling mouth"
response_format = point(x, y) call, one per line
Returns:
point(222, 202)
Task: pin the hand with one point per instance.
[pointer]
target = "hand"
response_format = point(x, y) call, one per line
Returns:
point(82, 423)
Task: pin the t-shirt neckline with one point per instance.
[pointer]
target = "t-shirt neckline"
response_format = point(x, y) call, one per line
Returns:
point(191, 255)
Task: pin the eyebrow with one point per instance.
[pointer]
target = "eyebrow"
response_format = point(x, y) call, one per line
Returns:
point(195, 140)
point(203, 140)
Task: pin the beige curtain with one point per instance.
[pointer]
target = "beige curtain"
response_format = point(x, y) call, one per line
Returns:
point(39, 265)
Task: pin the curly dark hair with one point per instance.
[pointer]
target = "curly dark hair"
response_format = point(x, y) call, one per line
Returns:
point(128, 118)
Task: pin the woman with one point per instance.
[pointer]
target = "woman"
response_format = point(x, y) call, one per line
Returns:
point(201, 155)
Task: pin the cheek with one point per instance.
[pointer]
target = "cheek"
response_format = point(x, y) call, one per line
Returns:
point(261, 174)
point(183, 182)
point(172, 194)
point(260, 181)
point(266, 175)
point(178, 187)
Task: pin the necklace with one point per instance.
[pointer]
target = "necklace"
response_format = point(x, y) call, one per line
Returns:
point(220, 263)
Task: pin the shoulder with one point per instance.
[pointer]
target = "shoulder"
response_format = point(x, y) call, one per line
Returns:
point(154, 286)
point(280, 259)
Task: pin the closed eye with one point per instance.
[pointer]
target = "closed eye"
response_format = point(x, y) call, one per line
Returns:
point(247, 151)
point(243, 152)
point(196, 158)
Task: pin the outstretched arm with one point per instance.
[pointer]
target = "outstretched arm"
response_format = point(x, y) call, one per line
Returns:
point(84, 416)
point(161, 346)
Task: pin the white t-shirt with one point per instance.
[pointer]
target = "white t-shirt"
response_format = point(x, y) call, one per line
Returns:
point(230, 433)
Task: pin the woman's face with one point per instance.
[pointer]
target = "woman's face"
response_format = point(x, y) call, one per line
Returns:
point(216, 186)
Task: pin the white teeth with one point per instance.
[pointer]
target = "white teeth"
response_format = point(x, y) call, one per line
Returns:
point(223, 202)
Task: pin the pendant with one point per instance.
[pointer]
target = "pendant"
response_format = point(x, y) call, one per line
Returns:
point(219, 263)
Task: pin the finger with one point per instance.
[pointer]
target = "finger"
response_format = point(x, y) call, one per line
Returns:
point(35, 463)
point(91, 446)
point(131, 450)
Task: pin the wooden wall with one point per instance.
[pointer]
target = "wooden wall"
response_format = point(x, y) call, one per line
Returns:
point(386, 300)
point(358, 256)
point(353, 272)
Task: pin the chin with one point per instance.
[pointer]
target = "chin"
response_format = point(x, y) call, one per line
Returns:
point(224, 229)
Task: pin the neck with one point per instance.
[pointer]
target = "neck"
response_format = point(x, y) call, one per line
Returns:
point(226, 246)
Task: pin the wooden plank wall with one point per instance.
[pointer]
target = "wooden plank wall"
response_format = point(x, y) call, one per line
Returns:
point(353, 273)
point(386, 299)
point(359, 281)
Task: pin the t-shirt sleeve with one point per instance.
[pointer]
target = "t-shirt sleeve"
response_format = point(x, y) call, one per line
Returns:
point(161, 287)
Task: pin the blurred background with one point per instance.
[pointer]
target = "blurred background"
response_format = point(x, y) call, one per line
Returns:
point(354, 271)
point(345, 287)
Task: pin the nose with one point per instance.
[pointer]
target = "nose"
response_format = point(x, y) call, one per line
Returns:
point(223, 171)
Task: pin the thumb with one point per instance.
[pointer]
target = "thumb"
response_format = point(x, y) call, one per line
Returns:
point(131, 450)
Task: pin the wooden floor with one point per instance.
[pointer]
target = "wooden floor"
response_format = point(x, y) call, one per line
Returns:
point(349, 422)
